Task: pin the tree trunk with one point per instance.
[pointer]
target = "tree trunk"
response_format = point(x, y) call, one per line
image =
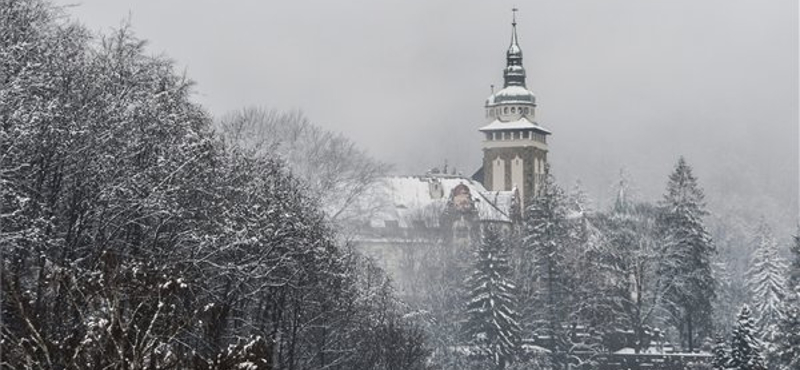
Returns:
point(689, 333)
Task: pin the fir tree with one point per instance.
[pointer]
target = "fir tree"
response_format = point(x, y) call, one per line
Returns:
point(545, 236)
point(766, 278)
point(687, 255)
point(721, 354)
point(492, 321)
point(786, 348)
point(787, 341)
point(745, 347)
point(793, 280)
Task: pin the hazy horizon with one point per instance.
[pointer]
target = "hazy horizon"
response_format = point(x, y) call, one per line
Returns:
point(620, 83)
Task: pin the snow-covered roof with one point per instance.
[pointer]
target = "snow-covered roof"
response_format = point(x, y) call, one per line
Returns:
point(520, 124)
point(503, 200)
point(512, 95)
point(415, 199)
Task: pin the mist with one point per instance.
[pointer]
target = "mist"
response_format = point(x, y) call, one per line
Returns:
point(622, 84)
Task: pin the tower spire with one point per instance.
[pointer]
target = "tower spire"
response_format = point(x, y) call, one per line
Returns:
point(514, 74)
point(514, 27)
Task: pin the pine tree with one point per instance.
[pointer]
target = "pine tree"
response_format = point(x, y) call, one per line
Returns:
point(787, 340)
point(545, 236)
point(721, 354)
point(687, 253)
point(766, 279)
point(786, 347)
point(745, 347)
point(577, 201)
point(793, 280)
point(492, 319)
point(623, 193)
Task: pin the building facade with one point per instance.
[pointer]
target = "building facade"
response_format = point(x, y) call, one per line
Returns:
point(438, 208)
point(514, 144)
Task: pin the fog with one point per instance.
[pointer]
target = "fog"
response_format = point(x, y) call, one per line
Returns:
point(621, 84)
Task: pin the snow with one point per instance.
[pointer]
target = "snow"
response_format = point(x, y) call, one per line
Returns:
point(520, 124)
point(410, 198)
point(512, 94)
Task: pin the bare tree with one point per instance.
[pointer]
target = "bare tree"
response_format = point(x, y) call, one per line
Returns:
point(336, 172)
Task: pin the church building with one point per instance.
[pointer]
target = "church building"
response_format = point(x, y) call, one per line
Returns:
point(514, 146)
point(448, 208)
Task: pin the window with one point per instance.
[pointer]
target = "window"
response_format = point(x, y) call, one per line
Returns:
point(513, 109)
point(505, 110)
point(525, 111)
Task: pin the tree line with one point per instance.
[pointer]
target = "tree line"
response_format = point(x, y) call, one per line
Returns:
point(135, 236)
point(572, 283)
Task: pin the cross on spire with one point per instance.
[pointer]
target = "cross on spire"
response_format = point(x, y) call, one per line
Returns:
point(514, 16)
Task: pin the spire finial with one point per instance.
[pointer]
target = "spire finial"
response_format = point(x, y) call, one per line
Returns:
point(514, 27)
point(514, 16)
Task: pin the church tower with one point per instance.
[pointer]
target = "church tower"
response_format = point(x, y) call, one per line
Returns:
point(514, 145)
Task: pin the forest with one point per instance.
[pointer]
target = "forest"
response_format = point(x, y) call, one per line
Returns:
point(138, 231)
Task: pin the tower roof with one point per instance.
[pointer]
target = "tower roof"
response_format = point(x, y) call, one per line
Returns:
point(514, 74)
point(514, 50)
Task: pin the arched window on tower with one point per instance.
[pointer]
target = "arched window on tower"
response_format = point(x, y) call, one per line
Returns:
point(513, 109)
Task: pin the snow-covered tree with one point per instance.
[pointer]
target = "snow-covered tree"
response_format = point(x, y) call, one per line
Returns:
point(793, 279)
point(133, 237)
point(492, 319)
point(785, 349)
point(745, 346)
point(577, 201)
point(721, 354)
point(629, 264)
point(686, 256)
point(545, 276)
point(766, 279)
point(334, 170)
point(786, 353)
point(726, 304)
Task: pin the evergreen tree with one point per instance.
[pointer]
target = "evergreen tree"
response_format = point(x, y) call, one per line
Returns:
point(721, 354)
point(577, 201)
point(492, 321)
point(786, 348)
point(686, 260)
point(793, 280)
point(787, 341)
point(766, 278)
point(745, 347)
point(545, 236)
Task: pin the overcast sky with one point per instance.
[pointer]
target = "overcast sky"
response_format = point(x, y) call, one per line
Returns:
point(621, 83)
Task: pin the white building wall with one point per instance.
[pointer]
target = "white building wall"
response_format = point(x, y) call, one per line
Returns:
point(498, 174)
point(517, 177)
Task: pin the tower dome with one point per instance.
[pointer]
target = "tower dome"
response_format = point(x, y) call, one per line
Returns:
point(514, 91)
